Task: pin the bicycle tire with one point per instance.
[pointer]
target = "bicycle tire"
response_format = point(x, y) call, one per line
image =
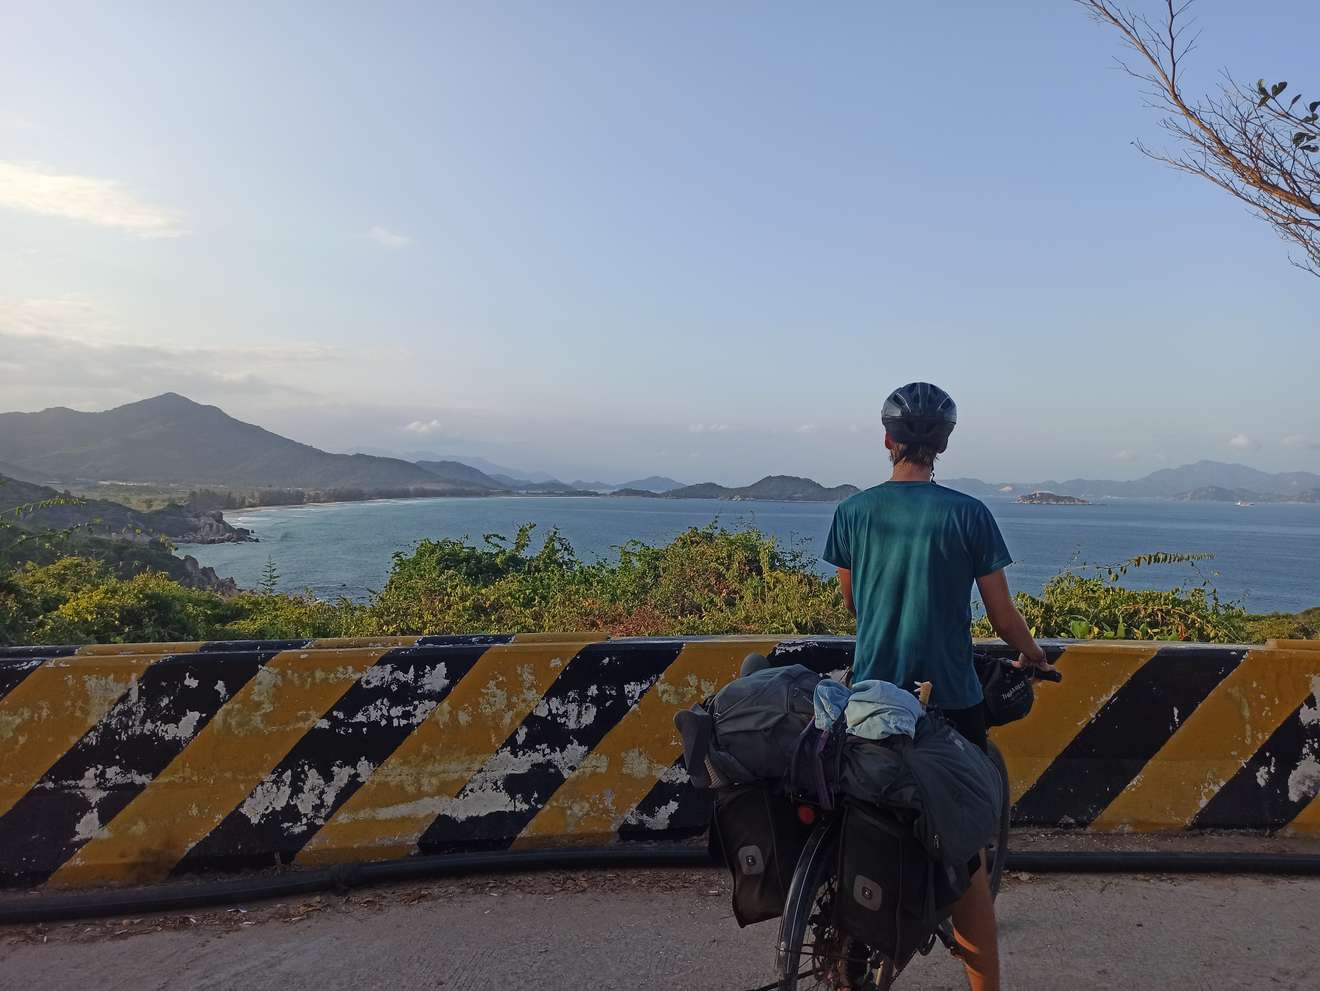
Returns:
point(814, 867)
point(996, 854)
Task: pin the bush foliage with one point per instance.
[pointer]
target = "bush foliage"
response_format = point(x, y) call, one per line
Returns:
point(708, 580)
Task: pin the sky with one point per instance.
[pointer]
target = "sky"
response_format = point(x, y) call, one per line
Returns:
point(617, 238)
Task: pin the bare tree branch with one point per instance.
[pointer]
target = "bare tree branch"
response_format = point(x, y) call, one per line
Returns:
point(1247, 141)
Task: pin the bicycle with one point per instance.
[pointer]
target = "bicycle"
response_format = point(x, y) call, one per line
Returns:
point(833, 957)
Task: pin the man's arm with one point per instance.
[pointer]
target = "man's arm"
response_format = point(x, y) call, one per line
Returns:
point(845, 586)
point(1007, 621)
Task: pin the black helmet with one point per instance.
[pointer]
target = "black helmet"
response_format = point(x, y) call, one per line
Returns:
point(920, 413)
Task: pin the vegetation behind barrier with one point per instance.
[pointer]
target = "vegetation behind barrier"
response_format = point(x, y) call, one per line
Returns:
point(708, 580)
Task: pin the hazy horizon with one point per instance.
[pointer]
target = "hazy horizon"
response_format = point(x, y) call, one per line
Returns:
point(623, 240)
point(535, 468)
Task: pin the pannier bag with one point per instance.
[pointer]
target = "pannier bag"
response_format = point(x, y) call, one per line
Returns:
point(891, 894)
point(953, 790)
point(750, 729)
point(757, 834)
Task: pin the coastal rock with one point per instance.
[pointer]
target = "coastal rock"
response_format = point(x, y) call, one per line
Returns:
point(197, 576)
point(210, 527)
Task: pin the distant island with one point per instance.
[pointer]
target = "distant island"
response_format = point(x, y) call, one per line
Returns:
point(772, 488)
point(1050, 499)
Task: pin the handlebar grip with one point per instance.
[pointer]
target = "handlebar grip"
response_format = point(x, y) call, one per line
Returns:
point(1047, 675)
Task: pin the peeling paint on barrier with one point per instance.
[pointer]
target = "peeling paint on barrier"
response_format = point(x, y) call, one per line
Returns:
point(135, 762)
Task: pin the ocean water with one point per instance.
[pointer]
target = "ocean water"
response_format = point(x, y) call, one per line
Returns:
point(1267, 556)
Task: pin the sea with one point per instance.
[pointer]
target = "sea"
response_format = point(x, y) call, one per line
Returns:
point(1266, 556)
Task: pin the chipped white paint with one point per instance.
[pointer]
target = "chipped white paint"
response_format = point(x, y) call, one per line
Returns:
point(1310, 714)
point(190, 680)
point(1304, 781)
point(305, 789)
point(568, 712)
point(271, 794)
point(634, 690)
point(657, 820)
point(88, 826)
point(221, 690)
point(382, 713)
point(96, 783)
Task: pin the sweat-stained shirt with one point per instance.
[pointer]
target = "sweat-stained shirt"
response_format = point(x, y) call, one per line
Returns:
point(915, 549)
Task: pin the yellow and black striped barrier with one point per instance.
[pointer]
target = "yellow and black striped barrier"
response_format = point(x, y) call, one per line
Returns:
point(131, 763)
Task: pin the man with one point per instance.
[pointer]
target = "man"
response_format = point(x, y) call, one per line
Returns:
point(907, 552)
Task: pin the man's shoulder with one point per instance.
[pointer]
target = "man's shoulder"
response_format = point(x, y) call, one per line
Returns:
point(960, 498)
point(863, 500)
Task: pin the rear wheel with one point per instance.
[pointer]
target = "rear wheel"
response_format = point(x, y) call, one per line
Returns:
point(996, 855)
point(812, 954)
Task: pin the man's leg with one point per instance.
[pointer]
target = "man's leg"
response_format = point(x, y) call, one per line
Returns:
point(977, 933)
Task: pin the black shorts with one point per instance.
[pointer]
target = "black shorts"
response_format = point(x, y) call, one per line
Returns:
point(970, 722)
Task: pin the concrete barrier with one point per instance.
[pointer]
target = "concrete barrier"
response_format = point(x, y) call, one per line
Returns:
point(134, 763)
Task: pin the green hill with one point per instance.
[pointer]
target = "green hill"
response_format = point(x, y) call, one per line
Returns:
point(461, 474)
point(172, 440)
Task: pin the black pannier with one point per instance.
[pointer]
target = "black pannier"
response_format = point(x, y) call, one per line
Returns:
point(891, 893)
point(756, 832)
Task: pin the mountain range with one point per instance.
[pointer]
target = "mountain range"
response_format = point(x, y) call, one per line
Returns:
point(170, 440)
point(1167, 483)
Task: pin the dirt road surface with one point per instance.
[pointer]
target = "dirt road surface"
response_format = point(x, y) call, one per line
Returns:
point(666, 930)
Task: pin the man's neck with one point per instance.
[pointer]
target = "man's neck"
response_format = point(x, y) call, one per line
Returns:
point(905, 471)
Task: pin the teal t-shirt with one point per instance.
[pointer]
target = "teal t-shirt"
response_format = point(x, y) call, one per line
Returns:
point(914, 550)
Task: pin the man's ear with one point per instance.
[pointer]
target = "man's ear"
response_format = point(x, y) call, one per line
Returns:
point(889, 443)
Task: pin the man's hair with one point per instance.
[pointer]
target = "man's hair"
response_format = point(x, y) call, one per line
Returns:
point(917, 454)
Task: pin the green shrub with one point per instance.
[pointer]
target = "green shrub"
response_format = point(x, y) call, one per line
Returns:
point(78, 602)
point(1095, 606)
point(708, 580)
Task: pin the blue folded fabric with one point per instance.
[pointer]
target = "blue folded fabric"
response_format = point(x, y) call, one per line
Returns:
point(831, 699)
point(879, 709)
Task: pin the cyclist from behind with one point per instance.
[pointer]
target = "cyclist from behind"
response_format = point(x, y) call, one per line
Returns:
point(908, 551)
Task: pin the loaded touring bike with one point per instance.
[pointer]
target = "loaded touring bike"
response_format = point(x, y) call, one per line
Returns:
point(860, 847)
point(813, 952)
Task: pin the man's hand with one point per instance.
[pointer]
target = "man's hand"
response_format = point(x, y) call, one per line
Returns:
point(1008, 622)
point(1034, 658)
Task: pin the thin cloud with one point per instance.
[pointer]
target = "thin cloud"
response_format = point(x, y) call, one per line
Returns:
point(48, 369)
point(387, 238)
point(1125, 455)
point(1301, 442)
point(426, 428)
point(807, 428)
point(707, 428)
point(102, 202)
point(1241, 442)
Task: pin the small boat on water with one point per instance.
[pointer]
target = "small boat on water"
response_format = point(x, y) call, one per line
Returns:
point(1243, 503)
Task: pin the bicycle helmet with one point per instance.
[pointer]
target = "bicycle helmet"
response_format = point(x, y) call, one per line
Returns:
point(922, 414)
